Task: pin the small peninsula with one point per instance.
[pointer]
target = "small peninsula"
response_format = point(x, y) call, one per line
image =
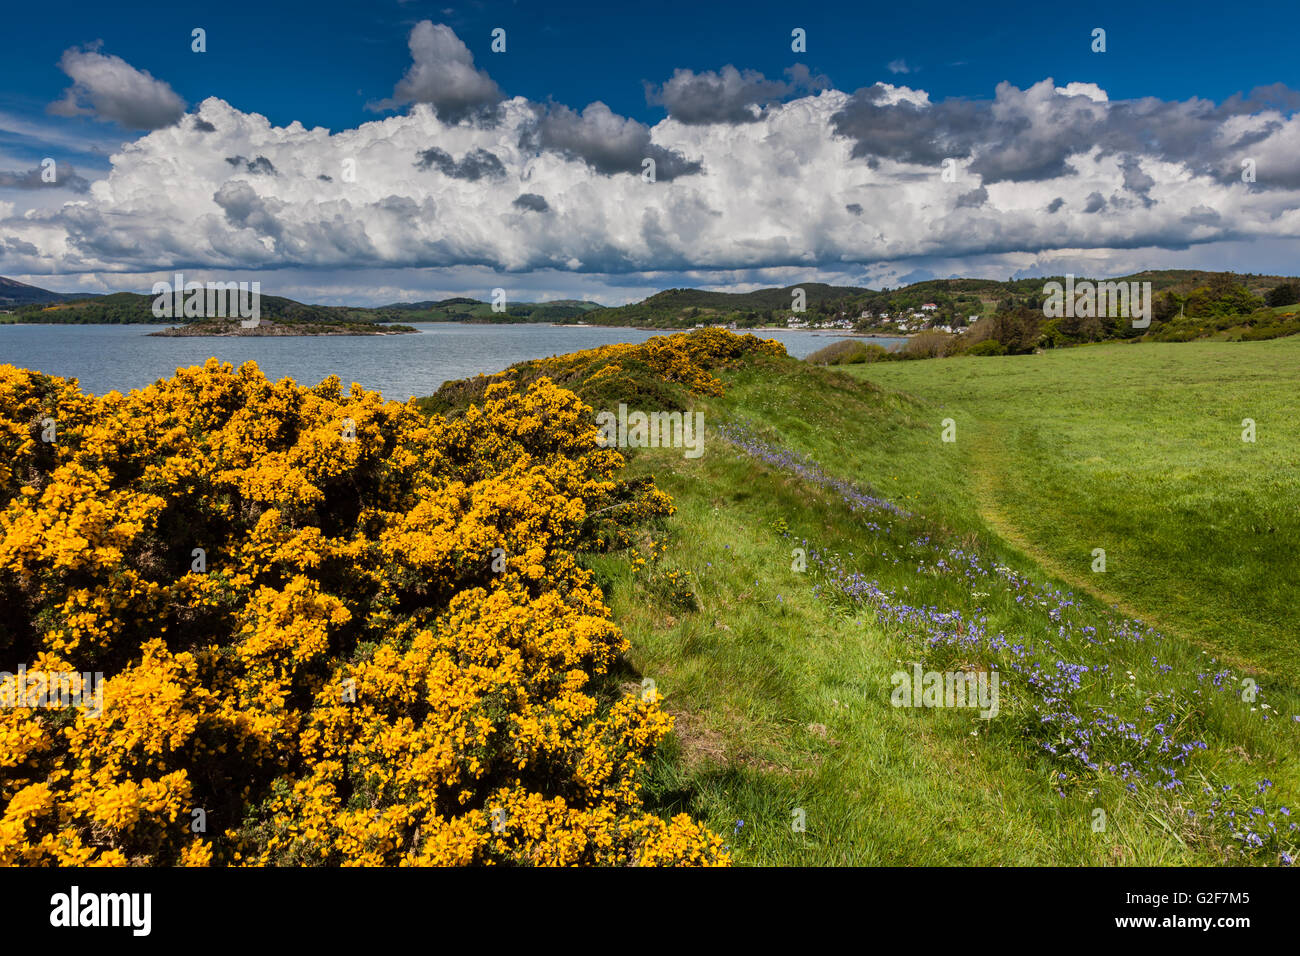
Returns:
point(235, 327)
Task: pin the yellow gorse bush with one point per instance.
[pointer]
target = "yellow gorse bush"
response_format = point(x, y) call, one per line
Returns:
point(682, 360)
point(341, 677)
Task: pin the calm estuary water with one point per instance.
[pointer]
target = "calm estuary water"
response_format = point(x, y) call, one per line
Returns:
point(122, 357)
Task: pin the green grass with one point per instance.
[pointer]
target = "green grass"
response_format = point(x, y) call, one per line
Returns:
point(781, 683)
point(1138, 450)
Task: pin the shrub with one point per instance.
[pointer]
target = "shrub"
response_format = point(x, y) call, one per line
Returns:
point(347, 679)
point(653, 373)
point(1224, 296)
point(1050, 335)
point(1288, 293)
point(1275, 330)
point(848, 352)
point(926, 345)
point(987, 347)
point(869, 354)
point(1017, 330)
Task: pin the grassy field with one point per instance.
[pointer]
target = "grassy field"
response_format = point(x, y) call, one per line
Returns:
point(1140, 451)
point(1115, 739)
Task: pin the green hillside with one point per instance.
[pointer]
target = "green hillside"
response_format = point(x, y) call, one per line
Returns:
point(685, 308)
point(124, 308)
point(462, 309)
point(14, 294)
point(947, 316)
point(1140, 451)
point(1187, 304)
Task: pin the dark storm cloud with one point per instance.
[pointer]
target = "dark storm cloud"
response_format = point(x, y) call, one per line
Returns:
point(1202, 216)
point(109, 89)
point(1031, 135)
point(19, 247)
point(533, 202)
point(244, 207)
point(608, 143)
point(442, 74)
point(473, 166)
point(65, 177)
point(1136, 181)
point(909, 133)
point(260, 166)
point(729, 95)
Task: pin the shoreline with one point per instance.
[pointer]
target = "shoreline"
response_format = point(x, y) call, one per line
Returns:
point(164, 330)
point(838, 333)
point(272, 331)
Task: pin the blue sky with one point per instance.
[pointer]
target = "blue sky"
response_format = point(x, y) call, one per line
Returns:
point(327, 64)
point(320, 62)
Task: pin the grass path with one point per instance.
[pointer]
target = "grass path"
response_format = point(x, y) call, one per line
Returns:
point(988, 484)
point(1138, 449)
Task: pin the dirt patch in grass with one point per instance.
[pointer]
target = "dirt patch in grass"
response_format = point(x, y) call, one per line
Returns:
point(701, 745)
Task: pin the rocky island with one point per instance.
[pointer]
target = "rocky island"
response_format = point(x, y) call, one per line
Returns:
point(235, 327)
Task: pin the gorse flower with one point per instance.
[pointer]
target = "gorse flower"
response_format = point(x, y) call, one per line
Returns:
point(344, 679)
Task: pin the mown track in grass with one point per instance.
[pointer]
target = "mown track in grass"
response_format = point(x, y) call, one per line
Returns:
point(1138, 450)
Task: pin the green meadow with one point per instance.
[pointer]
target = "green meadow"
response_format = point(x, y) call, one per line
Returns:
point(1139, 451)
point(828, 539)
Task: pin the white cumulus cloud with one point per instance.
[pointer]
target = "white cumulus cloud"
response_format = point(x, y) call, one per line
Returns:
point(827, 181)
point(442, 74)
point(108, 88)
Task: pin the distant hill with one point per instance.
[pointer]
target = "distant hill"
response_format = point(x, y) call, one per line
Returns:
point(14, 293)
point(30, 304)
point(947, 305)
point(683, 308)
point(956, 302)
point(428, 304)
point(131, 308)
point(461, 309)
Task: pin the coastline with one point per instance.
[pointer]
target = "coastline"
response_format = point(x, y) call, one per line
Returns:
point(667, 330)
point(182, 331)
point(272, 331)
point(838, 333)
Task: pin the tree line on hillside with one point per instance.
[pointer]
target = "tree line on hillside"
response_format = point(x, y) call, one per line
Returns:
point(127, 308)
point(1222, 308)
point(963, 314)
point(472, 310)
